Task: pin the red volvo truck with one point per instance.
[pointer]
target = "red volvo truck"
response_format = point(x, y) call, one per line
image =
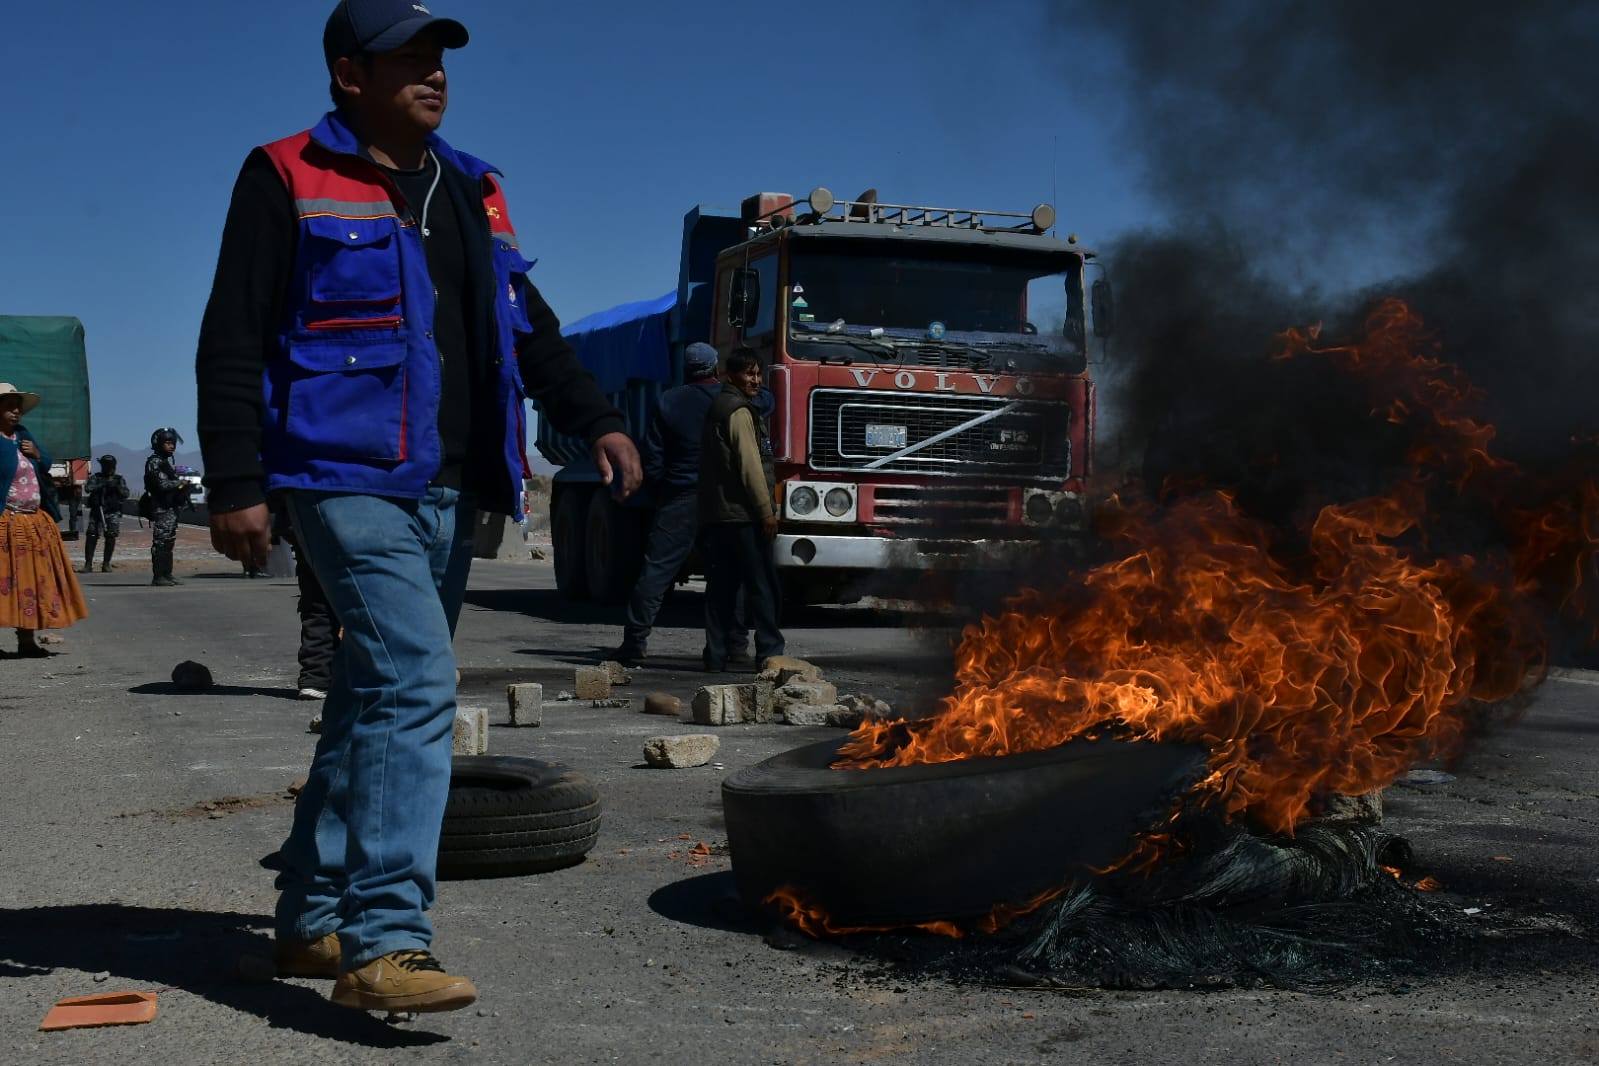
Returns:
point(934, 409)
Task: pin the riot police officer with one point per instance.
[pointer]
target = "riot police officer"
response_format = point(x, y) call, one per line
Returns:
point(106, 492)
point(168, 493)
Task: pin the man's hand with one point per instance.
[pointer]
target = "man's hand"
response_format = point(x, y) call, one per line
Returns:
point(244, 536)
point(769, 528)
point(614, 454)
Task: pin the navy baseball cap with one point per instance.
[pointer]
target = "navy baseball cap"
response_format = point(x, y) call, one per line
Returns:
point(382, 26)
point(699, 360)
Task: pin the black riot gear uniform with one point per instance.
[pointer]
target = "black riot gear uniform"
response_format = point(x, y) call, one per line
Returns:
point(105, 492)
point(168, 493)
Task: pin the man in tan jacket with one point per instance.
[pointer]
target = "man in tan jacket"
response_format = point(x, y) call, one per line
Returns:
point(738, 516)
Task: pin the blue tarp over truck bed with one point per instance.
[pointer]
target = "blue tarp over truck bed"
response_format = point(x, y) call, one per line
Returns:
point(45, 354)
point(635, 349)
point(628, 349)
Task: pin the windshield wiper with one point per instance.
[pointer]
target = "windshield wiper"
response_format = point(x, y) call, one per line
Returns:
point(873, 347)
point(870, 347)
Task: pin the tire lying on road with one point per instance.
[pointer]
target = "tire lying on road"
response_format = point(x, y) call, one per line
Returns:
point(943, 841)
point(510, 815)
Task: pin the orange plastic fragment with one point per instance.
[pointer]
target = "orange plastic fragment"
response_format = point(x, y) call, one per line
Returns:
point(105, 1008)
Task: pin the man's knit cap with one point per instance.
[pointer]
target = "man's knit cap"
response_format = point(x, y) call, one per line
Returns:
point(699, 361)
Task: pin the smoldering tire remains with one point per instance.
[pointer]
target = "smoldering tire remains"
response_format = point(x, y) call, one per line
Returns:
point(510, 815)
point(943, 841)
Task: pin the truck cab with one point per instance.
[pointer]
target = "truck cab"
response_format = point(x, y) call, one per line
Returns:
point(929, 366)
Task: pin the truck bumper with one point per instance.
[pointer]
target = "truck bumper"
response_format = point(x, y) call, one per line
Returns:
point(806, 552)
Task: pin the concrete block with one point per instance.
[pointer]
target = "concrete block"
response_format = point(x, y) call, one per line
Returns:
point(815, 693)
point(765, 709)
point(663, 703)
point(526, 699)
point(680, 752)
point(620, 675)
point(723, 705)
point(1364, 809)
point(846, 716)
point(804, 714)
point(854, 709)
point(780, 669)
point(593, 683)
point(470, 735)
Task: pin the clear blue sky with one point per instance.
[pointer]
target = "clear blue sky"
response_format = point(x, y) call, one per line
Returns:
point(609, 120)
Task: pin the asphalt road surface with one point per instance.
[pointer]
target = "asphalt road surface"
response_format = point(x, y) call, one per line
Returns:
point(132, 819)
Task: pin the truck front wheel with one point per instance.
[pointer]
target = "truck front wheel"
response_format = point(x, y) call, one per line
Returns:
point(613, 547)
point(568, 515)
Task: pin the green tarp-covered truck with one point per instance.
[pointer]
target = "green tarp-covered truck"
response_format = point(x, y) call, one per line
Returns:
point(45, 354)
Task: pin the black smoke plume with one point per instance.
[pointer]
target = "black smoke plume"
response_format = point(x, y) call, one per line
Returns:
point(1446, 153)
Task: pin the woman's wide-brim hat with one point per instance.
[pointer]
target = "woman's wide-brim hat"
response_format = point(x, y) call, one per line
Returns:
point(30, 400)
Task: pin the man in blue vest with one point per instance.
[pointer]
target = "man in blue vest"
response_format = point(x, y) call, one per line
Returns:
point(365, 358)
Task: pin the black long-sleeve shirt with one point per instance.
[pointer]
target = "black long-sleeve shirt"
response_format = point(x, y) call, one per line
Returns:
point(239, 335)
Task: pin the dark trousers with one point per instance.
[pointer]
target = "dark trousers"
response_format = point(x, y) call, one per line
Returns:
point(319, 630)
point(737, 558)
point(671, 540)
point(163, 535)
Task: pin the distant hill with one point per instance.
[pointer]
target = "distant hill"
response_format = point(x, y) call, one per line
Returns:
point(131, 460)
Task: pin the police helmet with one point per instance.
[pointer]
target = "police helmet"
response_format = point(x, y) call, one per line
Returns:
point(108, 460)
point(161, 436)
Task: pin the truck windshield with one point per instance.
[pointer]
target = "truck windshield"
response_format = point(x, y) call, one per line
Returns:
point(991, 306)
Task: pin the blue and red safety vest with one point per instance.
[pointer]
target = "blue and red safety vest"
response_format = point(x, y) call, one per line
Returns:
point(352, 398)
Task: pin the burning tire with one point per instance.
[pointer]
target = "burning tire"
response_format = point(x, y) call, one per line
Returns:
point(511, 815)
point(942, 841)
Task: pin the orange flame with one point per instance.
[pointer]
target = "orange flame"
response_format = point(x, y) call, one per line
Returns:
point(1329, 663)
point(813, 921)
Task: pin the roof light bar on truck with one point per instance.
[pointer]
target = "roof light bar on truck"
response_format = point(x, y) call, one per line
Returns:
point(823, 206)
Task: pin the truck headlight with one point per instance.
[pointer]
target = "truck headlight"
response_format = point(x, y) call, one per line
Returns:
point(1038, 508)
point(803, 500)
point(1069, 512)
point(838, 502)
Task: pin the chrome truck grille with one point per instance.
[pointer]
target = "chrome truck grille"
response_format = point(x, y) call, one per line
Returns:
point(921, 433)
point(974, 509)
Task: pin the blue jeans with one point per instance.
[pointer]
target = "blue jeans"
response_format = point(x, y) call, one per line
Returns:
point(361, 856)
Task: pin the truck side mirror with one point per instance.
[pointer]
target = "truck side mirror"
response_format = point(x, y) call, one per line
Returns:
point(744, 299)
point(1103, 303)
